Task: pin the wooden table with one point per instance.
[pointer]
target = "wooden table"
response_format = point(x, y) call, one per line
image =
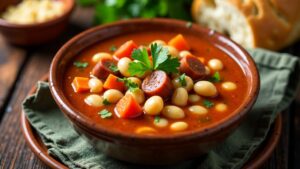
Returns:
point(20, 69)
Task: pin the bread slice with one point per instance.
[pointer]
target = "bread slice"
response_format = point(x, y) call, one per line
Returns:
point(271, 24)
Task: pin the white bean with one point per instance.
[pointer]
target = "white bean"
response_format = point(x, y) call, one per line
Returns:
point(207, 70)
point(205, 88)
point(229, 86)
point(173, 112)
point(98, 56)
point(179, 126)
point(221, 107)
point(135, 80)
point(145, 130)
point(173, 51)
point(123, 66)
point(180, 97)
point(94, 100)
point(138, 95)
point(215, 64)
point(184, 53)
point(159, 42)
point(193, 98)
point(189, 83)
point(96, 85)
point(162, 122)
point(112, 95)
point(198, 110)
point(153, 105)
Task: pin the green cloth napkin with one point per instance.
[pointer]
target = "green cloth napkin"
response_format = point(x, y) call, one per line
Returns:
point(279, 79)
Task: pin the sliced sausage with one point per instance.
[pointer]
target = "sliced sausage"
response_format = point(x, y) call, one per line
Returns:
point(157, 83)
point(103, 68)
point(192, 66)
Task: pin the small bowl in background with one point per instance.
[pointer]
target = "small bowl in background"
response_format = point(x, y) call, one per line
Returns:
point(37, 33)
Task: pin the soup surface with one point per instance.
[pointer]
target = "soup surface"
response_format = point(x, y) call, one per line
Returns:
point(154, 83)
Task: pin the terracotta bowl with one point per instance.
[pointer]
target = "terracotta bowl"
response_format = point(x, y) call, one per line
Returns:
point(33, 34)
point(153, 149)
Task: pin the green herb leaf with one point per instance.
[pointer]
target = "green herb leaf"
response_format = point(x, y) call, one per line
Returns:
point(79, 64)
point(131, 86)
point(182, 80)
point(141, 63)
point(113, 68)
point(170, 65)
point(137, 69)
point(105, 114)
point(125, 9)
point(106, 102)
point(156, 119)
point(141, 55)
point(215, 77)
point(159, 54)
point(161, 61)
point(208, 103)
point(113, 48)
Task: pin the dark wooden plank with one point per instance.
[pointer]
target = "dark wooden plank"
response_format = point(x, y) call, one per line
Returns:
point(295, 139)
point(280, 156)
point(14, 152)
point(11, 60)
point(294, 148)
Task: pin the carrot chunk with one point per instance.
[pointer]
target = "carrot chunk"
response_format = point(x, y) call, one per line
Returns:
point(179, 43)
point(128, 107)
point(125, 50)
point(112, 82)
point(80, 84)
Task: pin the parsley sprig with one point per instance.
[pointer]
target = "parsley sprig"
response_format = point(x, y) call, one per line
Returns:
point(106, 102)
point(161, 60)
point(156, 119)
point(105, 114)
point(79, 64)
point(215, 77)
point(131, 86)
point(208, 103)
point(182, 80)
point(113, 48)
point(113, 68)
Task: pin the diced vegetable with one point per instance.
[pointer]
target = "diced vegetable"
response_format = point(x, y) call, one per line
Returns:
point(128, 107)
point(113, 82)
point(179, 43)
point(126, 49)
point(80, 84)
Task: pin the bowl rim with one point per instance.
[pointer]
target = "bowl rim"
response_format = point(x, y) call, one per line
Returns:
point(100, 132)
point(69, 4)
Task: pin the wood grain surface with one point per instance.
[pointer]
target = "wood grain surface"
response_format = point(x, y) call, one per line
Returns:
point(21, 68)
point(11, 61)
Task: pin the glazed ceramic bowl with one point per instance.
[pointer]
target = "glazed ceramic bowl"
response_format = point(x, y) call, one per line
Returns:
point(152, 149)
point(34, 34)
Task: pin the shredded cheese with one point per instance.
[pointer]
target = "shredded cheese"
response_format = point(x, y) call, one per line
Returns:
point(33, 11)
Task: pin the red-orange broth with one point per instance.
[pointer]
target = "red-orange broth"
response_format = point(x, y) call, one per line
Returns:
point(231, 72)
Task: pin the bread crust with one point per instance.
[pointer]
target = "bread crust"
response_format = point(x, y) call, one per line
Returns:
point(274, 23)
